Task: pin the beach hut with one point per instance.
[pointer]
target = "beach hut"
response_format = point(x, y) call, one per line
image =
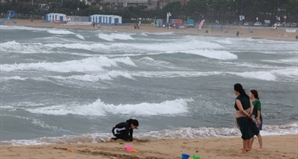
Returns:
point(159, 23)
point(49, 17)
point(61, 17)
point(56, 17)
point(100, 19)
point(109, 18)
point(105, 19)
point(92, 18)
point(190, 22)
point(116, 19)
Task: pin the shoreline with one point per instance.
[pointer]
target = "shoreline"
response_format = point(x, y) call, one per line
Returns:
point(275, 147)
point(228, 31)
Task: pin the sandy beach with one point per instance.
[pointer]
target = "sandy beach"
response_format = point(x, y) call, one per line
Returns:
point(228, 31)
point(275, 147)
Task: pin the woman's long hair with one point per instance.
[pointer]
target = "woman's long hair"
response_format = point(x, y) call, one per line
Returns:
point(255, 93)
point(238, 87)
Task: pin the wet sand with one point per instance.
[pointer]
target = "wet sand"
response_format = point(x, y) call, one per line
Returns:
point(275, 147)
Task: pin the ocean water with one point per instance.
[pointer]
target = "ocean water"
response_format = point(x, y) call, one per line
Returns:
point(73, 86)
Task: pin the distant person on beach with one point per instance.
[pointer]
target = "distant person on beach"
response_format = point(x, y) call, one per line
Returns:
point(136, 26)
point(254, 96)
point(237, 33)
point(124, 130)
point(243, 117)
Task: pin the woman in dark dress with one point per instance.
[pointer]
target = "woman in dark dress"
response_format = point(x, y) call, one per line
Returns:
point(243, 117)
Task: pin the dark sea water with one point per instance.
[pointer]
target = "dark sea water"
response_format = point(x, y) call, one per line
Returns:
point(70, 86)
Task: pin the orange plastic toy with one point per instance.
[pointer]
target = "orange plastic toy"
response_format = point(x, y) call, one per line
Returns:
point(132, 150)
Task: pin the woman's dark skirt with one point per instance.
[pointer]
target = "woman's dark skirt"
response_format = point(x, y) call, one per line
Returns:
point(247, 127)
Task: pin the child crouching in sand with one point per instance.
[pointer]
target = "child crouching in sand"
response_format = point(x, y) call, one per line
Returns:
point(124, 130)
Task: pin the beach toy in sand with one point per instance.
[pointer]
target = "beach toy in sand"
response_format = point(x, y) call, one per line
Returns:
point(69, 150)
point(132, 150)
point(128, 148)
point(195, 157)
point(185, 156)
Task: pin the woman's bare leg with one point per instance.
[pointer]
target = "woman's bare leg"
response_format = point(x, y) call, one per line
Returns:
point(251, 141)
point(245, 144)
point(260, 139)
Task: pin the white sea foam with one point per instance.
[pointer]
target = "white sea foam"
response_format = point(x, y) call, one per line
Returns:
point(91, 64)
point(114, 36)
point(110, 75)
point(249, 65)
point(16, 47)
point(83, 46)
point(205, 132)
point(270, 75)
point(273, 75)
point(152, 62)
point(99, 108)
point(9, 43)
point(51, 31)
point(162, 33)
point(80, 36)
point(261, 75)
point(202, 132)
point(291, 72)
point(220, 55)
point(147, 59)
point(172, 74)
point(168, 47)
point(57, 38)
point(172, 47)
point(59, 31)
point(144, 34)
point(224, 41)
point(285, 61)
point(14, 78)
point(274, 51)
point(10, 46)
point(4, 27)
point(93, 78)
point(46, 126)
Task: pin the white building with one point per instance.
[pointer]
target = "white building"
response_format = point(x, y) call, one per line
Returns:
point(52, 17)
point(105, 19)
